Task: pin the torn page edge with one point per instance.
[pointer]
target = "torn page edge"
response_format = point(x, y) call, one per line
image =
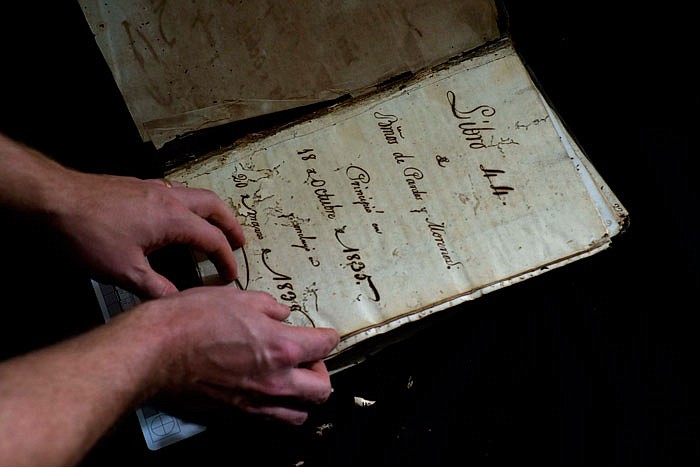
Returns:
point(163, 130)
point(348, 341)
point(612, 213)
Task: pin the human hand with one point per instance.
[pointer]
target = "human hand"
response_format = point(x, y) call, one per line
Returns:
point(112, 223)
point(217, 341)
point(233, 346)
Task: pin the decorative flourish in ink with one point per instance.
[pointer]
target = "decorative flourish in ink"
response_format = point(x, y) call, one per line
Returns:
point(247, 271)
point(310, 291)
point(276, 276)
point(263, 173)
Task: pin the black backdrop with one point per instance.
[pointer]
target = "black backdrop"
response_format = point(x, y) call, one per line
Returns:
point(591, 364)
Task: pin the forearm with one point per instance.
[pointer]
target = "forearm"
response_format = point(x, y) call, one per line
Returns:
point(30, 180)
point(57, 402)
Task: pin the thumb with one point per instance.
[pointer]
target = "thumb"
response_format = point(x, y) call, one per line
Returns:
point(153, 285)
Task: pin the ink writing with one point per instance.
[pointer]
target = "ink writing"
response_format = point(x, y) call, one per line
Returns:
point(386, 126)
point(325, 197)
point(401, 158)
point(437, 231)
point(251, 216)
point(475, 121)
point(354, 262)
point(442, 161)
point(306, 154)
point(284, 285)
point(359, 181)
point(412, 176)
point(303, 239)
point(497, 190)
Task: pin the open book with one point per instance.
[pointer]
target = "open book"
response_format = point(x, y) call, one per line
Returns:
point(412, 196)
point(407, 201)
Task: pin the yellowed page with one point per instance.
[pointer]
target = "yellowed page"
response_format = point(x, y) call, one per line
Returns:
point(184, 66)
point(389, 209)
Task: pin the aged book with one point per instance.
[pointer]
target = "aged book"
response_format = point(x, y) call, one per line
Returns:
point(412, 195)
point(412, 199)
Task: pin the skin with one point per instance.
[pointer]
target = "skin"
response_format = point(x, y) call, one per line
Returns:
point(228, 345)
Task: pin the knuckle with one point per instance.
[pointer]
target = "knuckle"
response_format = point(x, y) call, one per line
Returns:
point(263, 299)
point(275, 387)
point(162, 196)
point(214, 240)
point(137, 272)
point(206, 193)
point(265, 296)
point(284, 354)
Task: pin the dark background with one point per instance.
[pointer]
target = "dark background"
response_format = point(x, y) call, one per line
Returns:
point(591, 364)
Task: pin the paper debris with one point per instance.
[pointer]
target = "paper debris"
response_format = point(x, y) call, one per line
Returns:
point(322, 428)
point(362, 402)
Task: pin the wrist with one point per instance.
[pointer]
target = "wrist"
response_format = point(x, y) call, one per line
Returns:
point(160, 337)
point(32, 183)
point(138, 350)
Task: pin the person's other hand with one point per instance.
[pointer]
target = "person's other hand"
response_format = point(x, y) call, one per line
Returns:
point(113, 223)
point(233, 345)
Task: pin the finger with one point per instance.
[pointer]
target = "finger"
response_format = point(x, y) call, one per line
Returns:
point(311, 383)
point(260, 301)
point(296, 389)
point(310, 344)
point(319, 366)
point(192, 230)
point(156, 285)
point(146, 282)
point(293, 387)
point(277, 311)
point(207, 204)
point(293, 416)
point(288, 410)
